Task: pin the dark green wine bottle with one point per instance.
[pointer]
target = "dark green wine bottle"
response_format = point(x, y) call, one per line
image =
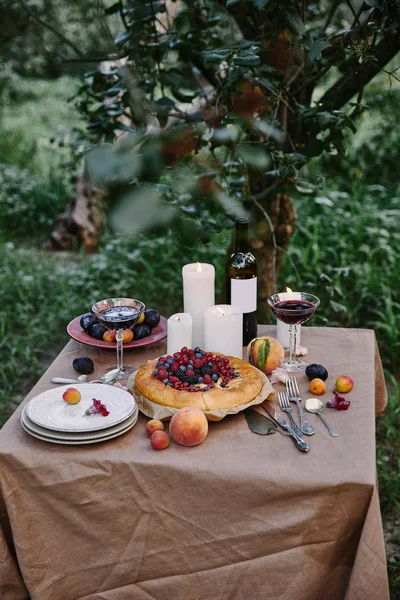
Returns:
point(241, 280)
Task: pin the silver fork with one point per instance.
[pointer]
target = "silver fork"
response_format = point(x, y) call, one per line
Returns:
point(284, 405)
point(293, 393)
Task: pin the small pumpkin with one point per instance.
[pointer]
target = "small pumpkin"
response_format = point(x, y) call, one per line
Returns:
point(265, 353)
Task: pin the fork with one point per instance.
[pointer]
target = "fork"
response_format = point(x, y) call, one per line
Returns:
point(284, 405)
point(293, 393)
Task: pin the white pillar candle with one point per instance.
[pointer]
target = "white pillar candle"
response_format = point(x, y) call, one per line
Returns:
point(179, 332)
point(223, 330)
point(282, 333)
point(198, 295)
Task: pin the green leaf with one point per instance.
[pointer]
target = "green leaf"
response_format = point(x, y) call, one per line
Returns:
point(316, 49)
point(232, 3)
point(253, 156)
point(263, 352)
point(141, 210)
point(258, 423)
point(122, 38)
point(260, 3)
point(294, 22)
point(247, 60)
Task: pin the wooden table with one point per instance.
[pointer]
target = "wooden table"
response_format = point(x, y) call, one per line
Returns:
point(240, 516)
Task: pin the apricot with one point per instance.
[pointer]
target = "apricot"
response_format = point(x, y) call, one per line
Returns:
point(72, 396)
point(109, 336)
point(344, 384)
point(159, 440)
point(127, 336)
point(189, 426)
point(265, 353)
point(317, 387)
point(154, 425)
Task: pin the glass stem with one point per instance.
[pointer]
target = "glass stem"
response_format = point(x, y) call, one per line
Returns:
point(293, 343)
point(119, 337)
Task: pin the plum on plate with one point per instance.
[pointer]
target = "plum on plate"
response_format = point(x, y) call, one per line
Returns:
point(87, 321)
point(97, 331)
point(83, 364)
point(151, 317)
point(141, 331)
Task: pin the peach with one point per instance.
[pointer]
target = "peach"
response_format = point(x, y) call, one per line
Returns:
point(265, 353)
point(127, 336)
point(189, 426)
point(344, 384)
point(317, 387)
point(154, 425)
point(72, 396)
point(109, 336)
point(159, 440)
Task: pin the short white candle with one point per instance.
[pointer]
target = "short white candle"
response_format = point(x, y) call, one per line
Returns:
point(282, 333)
point(198, 295)
point(223, 330)
point(179, 332)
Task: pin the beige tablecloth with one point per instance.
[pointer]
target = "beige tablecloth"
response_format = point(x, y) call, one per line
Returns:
point(241, 516)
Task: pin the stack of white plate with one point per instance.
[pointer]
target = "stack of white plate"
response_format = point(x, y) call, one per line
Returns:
point(49, 418)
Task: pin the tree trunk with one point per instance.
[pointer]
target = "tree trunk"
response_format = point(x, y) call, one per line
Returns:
point(269, 245)
point(81, 224)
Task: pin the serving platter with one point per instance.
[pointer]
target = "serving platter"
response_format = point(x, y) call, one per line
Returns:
point(50, 411)
point(76, 332)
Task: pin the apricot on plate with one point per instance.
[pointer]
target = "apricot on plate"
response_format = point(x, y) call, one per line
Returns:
point(159, 440)
point(72, 396)
point(127, 336)
point(109, 336)
point(154, 425)
point(344, 384)
point(317, 387)
point(189, 426)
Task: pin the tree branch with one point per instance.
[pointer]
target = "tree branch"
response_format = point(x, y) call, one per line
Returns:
point(348, 85)
point(60, 35)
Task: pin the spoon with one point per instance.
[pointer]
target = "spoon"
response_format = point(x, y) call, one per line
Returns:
point(313, 405)
point(106, 378)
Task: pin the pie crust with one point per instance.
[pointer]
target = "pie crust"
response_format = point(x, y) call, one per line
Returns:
point(239, 390)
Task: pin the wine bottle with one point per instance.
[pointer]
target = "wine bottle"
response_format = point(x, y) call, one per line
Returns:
point(241, 280)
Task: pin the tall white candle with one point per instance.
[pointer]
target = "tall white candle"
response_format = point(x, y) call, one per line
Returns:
point(223, 330)
point(198, 295)
point(179, 332)
point(282, 333)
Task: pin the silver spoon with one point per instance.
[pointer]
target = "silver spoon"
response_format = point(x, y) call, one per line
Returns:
point(106, 378)
point(314, 405)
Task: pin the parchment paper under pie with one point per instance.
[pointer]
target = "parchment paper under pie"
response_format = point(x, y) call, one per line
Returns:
point(158, 411)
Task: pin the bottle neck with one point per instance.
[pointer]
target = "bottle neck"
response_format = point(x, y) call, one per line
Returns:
point(242, 239)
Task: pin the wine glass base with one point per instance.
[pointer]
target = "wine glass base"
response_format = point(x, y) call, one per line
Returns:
point(124, 373)
point(297, 366)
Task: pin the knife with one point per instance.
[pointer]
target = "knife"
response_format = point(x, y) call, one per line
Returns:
point(299, 442)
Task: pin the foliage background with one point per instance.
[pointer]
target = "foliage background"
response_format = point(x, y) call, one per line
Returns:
point(346, 247)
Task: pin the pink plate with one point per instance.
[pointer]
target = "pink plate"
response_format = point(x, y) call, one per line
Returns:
point(76, 332)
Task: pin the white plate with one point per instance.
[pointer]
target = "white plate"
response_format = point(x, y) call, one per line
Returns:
point(50, 411)
point(85, 435)
point(78, 442)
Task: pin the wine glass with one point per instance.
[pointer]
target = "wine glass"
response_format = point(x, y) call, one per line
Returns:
point(117, 314)
point(293, 309)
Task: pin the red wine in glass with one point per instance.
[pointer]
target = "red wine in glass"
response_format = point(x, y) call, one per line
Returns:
point(118, 314)
point(293, 312)
point(119, 317)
